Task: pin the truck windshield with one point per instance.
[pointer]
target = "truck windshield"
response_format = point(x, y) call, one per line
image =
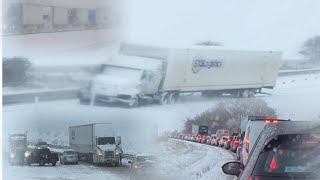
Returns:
point(106, 140)
point(122, 72)
point(70, 152)
point(290, 156)
point(19, 142)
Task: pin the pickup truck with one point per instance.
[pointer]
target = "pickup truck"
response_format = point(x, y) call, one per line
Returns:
point(41, 156)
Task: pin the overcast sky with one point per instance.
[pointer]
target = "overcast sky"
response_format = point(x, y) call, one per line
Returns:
point(240, 24)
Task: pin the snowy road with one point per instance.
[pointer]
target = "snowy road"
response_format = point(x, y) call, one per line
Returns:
point(65, 172)
point(294, 97)
point(178, 160)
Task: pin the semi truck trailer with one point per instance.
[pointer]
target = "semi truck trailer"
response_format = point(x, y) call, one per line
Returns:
point(96, 143)
point(146, 73)
point(200, 129)
point(17, 148)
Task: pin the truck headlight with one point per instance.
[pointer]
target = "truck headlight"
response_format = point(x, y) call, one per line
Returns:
point(117, 153)
point(99, 154)
point(11, 155)
point(26, 154)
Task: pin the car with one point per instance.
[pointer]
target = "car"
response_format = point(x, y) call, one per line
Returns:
point(186, 137)
point(193, 138)
point(222, 140)
point(180, 136)
point(198, 138)
point(208, 140)
point(227, 142)
point(254, 126)
point(41, 156)
point(235, 143)
point(213, 140)
point(69, 157)
point(222, 132)
point(143, 166)
point(286, 151)
point(238, 153)
point(203, 139)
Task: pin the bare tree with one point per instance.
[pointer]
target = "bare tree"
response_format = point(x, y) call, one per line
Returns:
point(228, 114)
point(311, 49)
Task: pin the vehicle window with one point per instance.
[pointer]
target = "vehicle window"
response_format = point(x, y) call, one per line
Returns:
point(42, 151)
point(70, 152)
point(121, 72)
point(106, 140)
point(42, 143)
point(290, 155)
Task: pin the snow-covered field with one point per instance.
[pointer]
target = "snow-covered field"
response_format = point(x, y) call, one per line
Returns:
point(295, 97)
point(189, 160)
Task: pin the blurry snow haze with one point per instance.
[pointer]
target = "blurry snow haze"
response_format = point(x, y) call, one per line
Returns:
point(246, 24)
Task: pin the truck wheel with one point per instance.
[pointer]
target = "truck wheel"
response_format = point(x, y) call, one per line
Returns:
point(84, 101)
point(41, 163)
point(251, 93)
point(164, 99)
point(54, 163)
point(245, 93)
point(173, 97)
point(134, 103)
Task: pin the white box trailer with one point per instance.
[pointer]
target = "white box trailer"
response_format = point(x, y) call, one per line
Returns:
point(96, 142)
point(60, 16)
point(32, 14)
point(145, 72)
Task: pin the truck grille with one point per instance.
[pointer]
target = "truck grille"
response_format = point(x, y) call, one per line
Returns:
point(108, 153)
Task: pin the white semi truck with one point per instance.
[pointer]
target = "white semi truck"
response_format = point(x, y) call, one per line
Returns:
point(97, 143)
point(143, 73)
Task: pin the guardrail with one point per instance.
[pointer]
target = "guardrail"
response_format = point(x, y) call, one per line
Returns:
point(297, 72)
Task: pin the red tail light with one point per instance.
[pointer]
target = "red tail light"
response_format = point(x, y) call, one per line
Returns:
point(271, 120)
point(253, 178)
point(273, 164)
point(136, 166)
point(247, 144)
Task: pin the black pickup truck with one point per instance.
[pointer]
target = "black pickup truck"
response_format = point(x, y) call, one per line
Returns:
point(42, 156)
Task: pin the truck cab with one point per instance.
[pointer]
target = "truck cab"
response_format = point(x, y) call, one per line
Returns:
point(17, 148)
point(108, 150)
point(125, 79)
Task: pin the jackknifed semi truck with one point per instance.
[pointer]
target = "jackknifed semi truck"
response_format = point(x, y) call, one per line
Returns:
point(142, 73)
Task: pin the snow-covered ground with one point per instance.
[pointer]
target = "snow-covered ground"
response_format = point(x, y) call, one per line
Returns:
point(63, 172)
point(295, 97)
point(190, 160)
point(177, 160)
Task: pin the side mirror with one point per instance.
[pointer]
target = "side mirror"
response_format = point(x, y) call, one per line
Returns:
point(232, 168)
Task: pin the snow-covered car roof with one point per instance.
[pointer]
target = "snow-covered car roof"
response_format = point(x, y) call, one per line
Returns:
point(135, 62)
